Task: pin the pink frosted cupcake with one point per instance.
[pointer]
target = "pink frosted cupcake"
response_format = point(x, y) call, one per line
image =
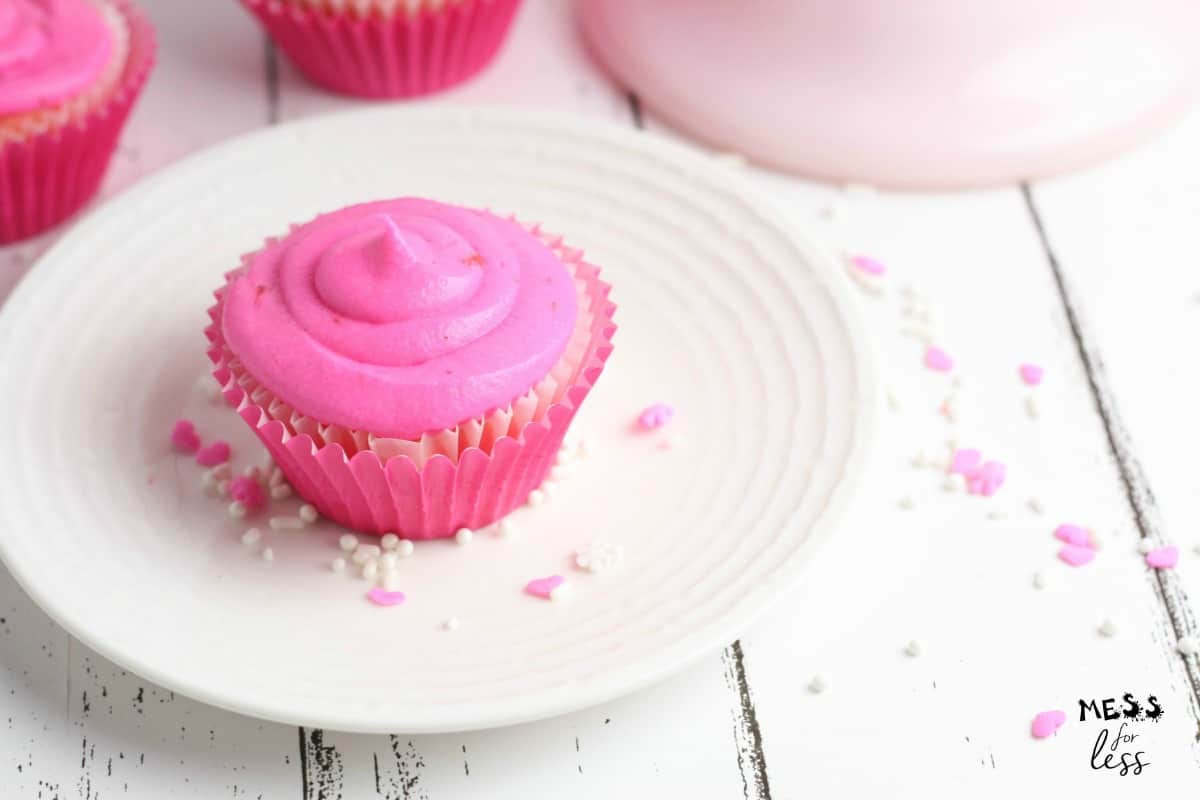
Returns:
point(70, 71)
point(387, 48)
point(411, 366)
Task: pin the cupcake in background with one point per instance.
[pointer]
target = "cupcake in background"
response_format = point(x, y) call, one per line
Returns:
point(411, 366)
point(70, 71)
point(387, 48)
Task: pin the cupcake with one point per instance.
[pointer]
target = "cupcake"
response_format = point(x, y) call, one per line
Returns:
point(70, 71)
point(411, 366)
point(387, 48)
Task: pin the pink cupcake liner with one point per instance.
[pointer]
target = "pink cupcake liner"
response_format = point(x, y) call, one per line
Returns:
point(388, 54)
point(466, 477)
point(50, 174)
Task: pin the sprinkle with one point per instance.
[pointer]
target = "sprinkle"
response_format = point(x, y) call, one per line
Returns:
point(665, 443)
point(1035, 505)
point(599, 556)
point(387, 561)
point(1144, 546)
point(253, 472)
point(286, 523)
point(954, 482)
point(389, 579)
point(1076, 555)
point(655, 416)
point(505, 528)
point(277, 476)
point(451, 624)
point(1072, 534)
point(404, 548)
point(867, 265)
point(913, 649)
point(184, 437)
point(268, 554)
point(338, 565)
point(997, 514)
point(348, 541)
point(370, 569)
point(1031, 374)
point(1031, 408)
point(382, 597)
point(946, 409)
point(364, 553)
point(1107, 629)
point(281, 492)
point(536, 498)
point(389, 541)
point(920, 460)
point(463, 537)
point(222, 471)
point(237, 510)
point(1039, 580)
point(308, 513)
point(816, 685)
point(247, 491)
point(1163, 557)
point(937, 359)
point(560, 472)
point(893, 401)
point(906, 503)
point(964, 461)
point(1188, 645)
point(215, 453)
point(251, 536)
point(223, 488)
point(550, 488)
point(1047, 722)
point(546, 588)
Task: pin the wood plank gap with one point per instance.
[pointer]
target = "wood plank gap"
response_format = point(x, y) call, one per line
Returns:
point(305, 790)
point(746, 734)
point(1138, 492)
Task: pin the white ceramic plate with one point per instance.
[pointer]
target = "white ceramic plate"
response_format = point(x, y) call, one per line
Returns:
point(722, 312)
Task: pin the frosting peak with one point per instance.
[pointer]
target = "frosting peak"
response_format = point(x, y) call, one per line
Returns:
point(50, 51)
point(401, 317)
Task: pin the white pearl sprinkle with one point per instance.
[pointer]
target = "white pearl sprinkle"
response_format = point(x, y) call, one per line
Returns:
point(268, 554)
point(348, 541)
point(388, 561)
point(277, 477)
point(893, 401)
point(920, 460)
point(308, 514)
point(997, 514)
point(389, 580)
point(1107, 629)
point(913, 649)
point(1035, 505)
point(906, 503)
point(237, 510)
point(505, 528)
point(253, 472)
point(1039, 580)
point(549, 489)
point(364, 553)
point(1188, 645)
point(389, 541)
point(450, 624)
point(338, 565)
point(281, 491)
point(251, 536)
point(370, 570)
point(1146, 545)
point(955, 482)
point(221, 471)
point(536, 498)
point(817, 685)
point(1031, 408)
point(404, 548)
point(463, 536)
point(599, 556)
point(286, 523)
point(223, 488)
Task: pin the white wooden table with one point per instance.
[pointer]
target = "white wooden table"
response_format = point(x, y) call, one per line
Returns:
point(1094, 276)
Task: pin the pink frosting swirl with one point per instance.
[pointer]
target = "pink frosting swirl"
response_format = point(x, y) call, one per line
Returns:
point(401, 317)
point(50, 51)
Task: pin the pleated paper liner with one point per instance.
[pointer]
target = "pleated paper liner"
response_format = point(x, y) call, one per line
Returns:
point(467, 476)
point(51, 166)
point(383, 52)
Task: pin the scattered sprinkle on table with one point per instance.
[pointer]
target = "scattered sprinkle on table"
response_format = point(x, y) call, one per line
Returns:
point(1144, 546)
point(1031, 374)
point(912, 649)
point(308, 514)
point(1163, 557)
point(655, 416)
point(237, 510)
point(1031, 407)
point(1039, 580)
point(286, 523)
point(906, 503)
point(1188, 645)
point(817, 685)
point(404, 548)
point(1035, 505)
point(338, 565)
point(348, 542)
point(1107, 629)
point(938, 360)
point(268, 554)
point(247, 491)
point(1076, 555)
point(450, 624)
point(184, 437)
point(251, 536)
point(1047, 722)
point(599, 556)
point(546, 588)
point(389, 541)
point(382, 597)
point(463, 537)
point(1072, 534)
point(536, 498)
point(867, 265)
point(215, 453)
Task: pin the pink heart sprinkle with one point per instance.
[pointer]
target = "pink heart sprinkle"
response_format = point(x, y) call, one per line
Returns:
point(964, 461)
point(868, 265)
point(215, 453)
point(184, 438)
point(1073, 534)
point(1076, 555)
point(544, 587)
point(986, 478)
point(247, 491)
point(1032, 374)
point(655, 416)
point(382, 597)
point(937, 359)
point(1047, 722)
point(1163, 557)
